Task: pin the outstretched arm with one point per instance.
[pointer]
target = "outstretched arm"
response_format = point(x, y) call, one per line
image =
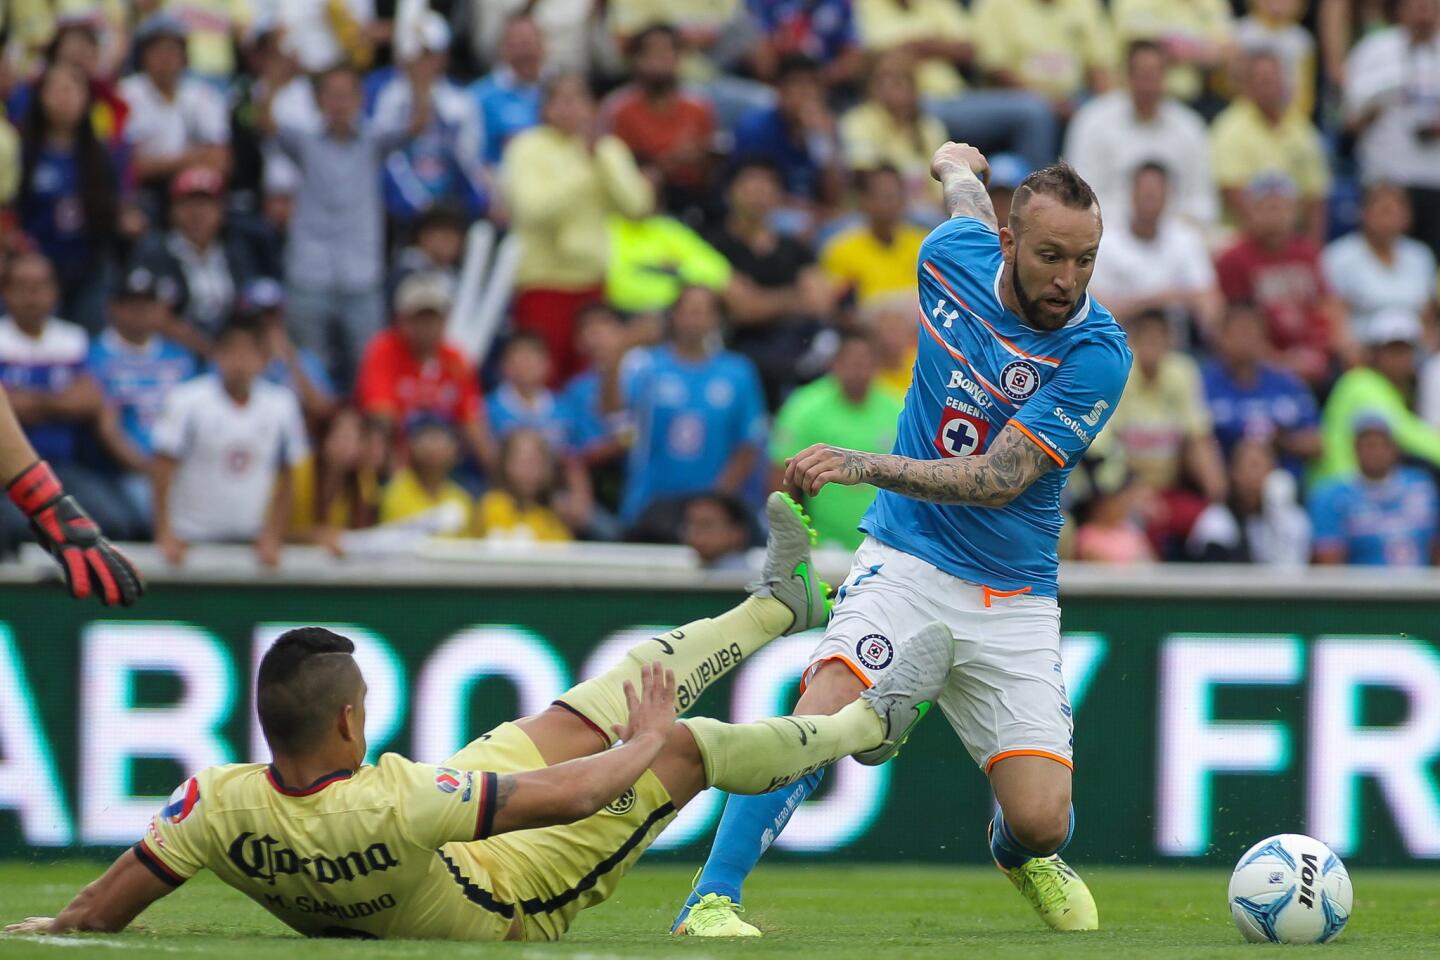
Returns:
point(108, 904)
point(990, 479)
point(574, 790)
point(15, 451)
point(959, 167)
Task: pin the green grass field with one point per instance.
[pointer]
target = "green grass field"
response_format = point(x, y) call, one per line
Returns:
point(832, 912)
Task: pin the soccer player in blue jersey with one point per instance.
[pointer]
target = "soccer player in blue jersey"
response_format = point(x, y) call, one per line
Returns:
point(1018, 371)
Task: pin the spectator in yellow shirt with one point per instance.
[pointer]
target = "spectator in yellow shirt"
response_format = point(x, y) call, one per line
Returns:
point(560, 182)
point(877, 257)
point(1274, 25)
point(938, 34)
point(339, 487)
point(1196, 36)
point(519, 509)
point(1260, 135)
point(891, 127)
point(895, 336)
point(1061, 49)
point(425, 484)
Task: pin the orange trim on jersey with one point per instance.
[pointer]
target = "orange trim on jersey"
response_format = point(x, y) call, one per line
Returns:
point(1038, 442)
point(1049, 361)
point(840, 658)
point(930, 269)
point(989, 387)
point(1007, 754)
point(990, 594)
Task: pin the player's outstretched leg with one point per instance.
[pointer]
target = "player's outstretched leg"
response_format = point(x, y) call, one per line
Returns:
point(750, 823)
point(788, 598)
point(1026, 841)
point(754, 758)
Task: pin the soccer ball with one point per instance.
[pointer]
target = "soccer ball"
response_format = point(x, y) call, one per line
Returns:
point(1290, 889)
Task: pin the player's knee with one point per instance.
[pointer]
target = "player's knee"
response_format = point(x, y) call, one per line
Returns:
point(832, 686)
point(1042, 827)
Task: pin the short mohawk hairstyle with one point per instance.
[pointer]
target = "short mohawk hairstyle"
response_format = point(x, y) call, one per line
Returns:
point(1060, 181)
point(304, 679)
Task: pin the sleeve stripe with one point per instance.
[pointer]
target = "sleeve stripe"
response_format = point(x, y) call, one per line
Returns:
point(156, 866)
point(1038, 442)
point(485, 817)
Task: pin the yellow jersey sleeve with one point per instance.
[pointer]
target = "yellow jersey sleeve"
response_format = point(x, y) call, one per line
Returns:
point(438, 805)
point(177, 844)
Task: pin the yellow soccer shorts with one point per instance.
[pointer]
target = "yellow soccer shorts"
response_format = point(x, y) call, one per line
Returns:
point(548, 875)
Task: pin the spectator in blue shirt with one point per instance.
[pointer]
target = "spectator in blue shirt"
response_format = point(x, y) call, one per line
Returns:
point(287, 365)
point(797, 136)
point(822, 30)
point(699, 411)
point(42, 368)
point(1384, 514)
point(1252, 399)
point(68, 201)
point(522, 399)
point(598, 418)
point(509, 97)
point(136, 368)
point(442, 162)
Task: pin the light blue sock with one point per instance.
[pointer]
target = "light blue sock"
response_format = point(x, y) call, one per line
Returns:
point(1010, 852)
point(747, 828)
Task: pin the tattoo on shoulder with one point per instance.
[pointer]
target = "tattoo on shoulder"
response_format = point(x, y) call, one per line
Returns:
point(966, 196)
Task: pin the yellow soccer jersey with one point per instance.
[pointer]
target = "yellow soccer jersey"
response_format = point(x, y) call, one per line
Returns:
point(353, 854)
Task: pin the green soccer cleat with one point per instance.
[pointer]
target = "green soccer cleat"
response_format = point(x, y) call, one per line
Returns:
point(788, 574)
point(909, 688)
point(1056, 892)
point(715, 916)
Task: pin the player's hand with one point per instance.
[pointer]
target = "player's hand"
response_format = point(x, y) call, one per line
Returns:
point(32, 925)
point(653, 711)
point(956, 156)
point(91, 564)
point(819, 464)
point(267, 551)
point(172, 548)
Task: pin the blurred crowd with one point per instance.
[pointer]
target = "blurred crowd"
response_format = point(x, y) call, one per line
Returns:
point(238, 241)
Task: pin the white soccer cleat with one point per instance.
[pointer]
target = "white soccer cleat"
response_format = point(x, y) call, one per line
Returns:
point(909, 688)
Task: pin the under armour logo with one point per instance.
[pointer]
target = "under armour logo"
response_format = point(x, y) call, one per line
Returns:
point(950, 315)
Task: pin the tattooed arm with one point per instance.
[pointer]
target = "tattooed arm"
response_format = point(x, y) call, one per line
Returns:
point(570, 791)
point(990, 479)
point(959, 167)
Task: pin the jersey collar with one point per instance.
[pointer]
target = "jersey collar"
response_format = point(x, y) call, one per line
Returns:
point(278, 782)
point(1080, 314)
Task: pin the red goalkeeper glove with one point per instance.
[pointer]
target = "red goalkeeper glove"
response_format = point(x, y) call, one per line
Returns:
point(90, 562)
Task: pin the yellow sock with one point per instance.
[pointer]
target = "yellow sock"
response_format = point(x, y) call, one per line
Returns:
point(770, 754)
point(699, 653)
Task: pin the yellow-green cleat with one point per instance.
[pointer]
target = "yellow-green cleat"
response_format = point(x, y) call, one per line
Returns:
point(715, 916)
point(788, 574)
point(1056, 892)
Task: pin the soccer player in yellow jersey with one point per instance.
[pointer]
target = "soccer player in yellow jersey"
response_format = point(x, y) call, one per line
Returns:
point(536, 820)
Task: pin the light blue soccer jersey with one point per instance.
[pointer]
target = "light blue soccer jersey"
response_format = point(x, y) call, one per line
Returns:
point(978, 368)
point(690, 419)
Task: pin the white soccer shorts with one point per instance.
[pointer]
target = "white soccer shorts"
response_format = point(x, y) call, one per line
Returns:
point(1006, 696)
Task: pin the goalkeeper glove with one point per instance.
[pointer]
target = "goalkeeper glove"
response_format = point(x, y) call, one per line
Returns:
point(90, 562)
